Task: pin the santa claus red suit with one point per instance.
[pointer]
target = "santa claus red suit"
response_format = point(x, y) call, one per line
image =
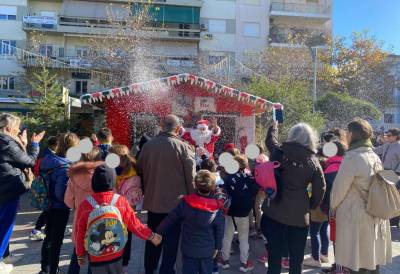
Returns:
point(203, 137)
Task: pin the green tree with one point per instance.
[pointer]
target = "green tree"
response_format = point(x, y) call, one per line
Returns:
point(48, 112)
point(296, 99)
point(341, 108)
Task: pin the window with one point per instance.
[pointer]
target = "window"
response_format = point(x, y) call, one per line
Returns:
point(215, 59)
point(82, 52)
point(251, 30)
point(252, 2)
point(80, 75)
point(7, 83)
point(388, 118)
point(8, 13)
point(46, 50)
point(216, 26)
point(7, 47)
point(81, 87)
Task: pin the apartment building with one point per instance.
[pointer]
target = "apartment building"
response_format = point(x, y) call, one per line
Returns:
point(182, 33)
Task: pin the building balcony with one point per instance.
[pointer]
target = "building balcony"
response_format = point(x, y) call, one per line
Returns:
point(294, 36)
point(309, 10)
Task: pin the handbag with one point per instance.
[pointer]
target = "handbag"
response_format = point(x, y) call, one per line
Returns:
point(383, 199)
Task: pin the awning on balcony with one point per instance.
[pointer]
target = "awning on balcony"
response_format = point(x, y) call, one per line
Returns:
point(94, 10)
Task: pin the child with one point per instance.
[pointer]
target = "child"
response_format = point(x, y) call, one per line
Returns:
point(128, 185)
point(203, 226)
point(106, 236)
point(105, 138)
point(242, 188)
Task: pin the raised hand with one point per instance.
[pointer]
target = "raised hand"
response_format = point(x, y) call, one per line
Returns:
point(23, 137)
point(214, 122)
point(38, 138)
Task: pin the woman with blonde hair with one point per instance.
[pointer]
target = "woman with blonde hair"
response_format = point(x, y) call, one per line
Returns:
point(363, 242)
point(14, 160)
point(128, 185)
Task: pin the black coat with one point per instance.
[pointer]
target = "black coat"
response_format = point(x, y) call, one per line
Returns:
point(299, 168)
point(13, 159)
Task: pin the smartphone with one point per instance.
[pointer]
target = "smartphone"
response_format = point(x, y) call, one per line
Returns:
point(21, 129)
point(278, 115)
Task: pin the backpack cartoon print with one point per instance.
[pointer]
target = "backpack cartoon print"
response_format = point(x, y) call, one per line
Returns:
point(106, 241)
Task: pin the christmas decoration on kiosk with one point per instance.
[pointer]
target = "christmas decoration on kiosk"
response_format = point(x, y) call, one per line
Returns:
point(210, 86)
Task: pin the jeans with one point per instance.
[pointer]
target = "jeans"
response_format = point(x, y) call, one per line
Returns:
point(8, 213)
point(110, 268)
point(51, 247)
point(296, 237)
point(319, 239)
point(127, 251)
point(42, 220)
point(168, 247)
point(242, 224)
point(74, 267)
point(197, 266)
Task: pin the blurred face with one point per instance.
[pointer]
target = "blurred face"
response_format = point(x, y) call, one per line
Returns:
point(391, 138)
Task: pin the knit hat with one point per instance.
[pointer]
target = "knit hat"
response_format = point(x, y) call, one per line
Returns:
point(202, 124)
point(103, 179)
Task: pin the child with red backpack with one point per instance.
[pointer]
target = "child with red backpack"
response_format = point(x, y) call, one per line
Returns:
point(101, 232)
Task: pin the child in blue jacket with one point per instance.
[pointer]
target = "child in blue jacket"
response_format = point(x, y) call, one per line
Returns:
point(202, 225)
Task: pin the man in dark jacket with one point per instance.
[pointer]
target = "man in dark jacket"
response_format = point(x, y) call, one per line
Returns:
point(202, 225)
point(242, 189)
point(13, 161)
point(167, 167)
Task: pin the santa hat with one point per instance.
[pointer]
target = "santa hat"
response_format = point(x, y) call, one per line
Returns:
point(229, 146)
point(202, 124)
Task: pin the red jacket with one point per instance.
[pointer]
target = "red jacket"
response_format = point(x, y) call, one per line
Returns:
point(128, 216)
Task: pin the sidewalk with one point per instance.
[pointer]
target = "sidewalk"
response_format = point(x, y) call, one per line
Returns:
point(20, 245)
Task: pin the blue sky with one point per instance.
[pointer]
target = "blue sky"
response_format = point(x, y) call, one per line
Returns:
point(380, 17)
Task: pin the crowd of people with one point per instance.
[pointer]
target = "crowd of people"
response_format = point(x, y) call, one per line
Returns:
point(195, 205)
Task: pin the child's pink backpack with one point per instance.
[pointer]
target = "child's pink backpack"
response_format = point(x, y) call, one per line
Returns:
point(131, 189)
point(264, 174)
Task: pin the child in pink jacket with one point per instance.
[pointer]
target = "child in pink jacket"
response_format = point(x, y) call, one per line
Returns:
point(78, 188)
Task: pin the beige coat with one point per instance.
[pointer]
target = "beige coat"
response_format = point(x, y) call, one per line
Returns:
point(361, 240)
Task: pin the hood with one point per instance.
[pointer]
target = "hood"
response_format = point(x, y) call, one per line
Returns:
point(81, 174)
point(296, 152)
point(201, 203)
point(52, 161)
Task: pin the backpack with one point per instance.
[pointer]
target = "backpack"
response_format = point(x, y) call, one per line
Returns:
point(383, 198)
point(131, 189)
point(264, 174)
point(106, 233)
point(39, 192)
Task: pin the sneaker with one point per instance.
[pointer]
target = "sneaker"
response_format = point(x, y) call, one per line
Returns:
point(224, 264)
point(324, 259)
point(264, 258)
point(125, 270)
point(285, 263)
point(249, 266)
point(36, 235)
point(11, 259)
point(253, 233)
point(311, 262)
point(68, 231)
point(59, 271)
point(5, 268)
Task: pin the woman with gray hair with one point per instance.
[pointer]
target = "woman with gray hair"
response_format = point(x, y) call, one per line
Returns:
point(14, 159)
point(286, 217)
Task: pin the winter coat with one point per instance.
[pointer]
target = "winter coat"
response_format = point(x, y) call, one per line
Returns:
point(202, 225)
point(79, 186)
point(299, 168)
point(242, 189)
point(58, 178)
point(14, 159)
point(362, 241)
point(128, 217)
point(390, 156)
point(166, 165)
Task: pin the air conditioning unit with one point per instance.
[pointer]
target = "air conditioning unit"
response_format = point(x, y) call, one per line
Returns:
point(208, 36)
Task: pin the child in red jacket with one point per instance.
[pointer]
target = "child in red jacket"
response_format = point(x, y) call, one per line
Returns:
point(101, 229)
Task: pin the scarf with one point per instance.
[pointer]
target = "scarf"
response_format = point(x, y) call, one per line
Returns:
point(360, 143)
point(120, 178)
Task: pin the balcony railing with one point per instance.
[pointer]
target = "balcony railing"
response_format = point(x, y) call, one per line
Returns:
point(40, 22)
point(311, 8)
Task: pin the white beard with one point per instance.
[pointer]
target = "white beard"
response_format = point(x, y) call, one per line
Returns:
point(201, 138)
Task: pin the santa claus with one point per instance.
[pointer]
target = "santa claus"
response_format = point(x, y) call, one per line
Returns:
point(203, 137)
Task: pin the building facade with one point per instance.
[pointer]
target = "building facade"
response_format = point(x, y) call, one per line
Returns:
point(184, 33)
